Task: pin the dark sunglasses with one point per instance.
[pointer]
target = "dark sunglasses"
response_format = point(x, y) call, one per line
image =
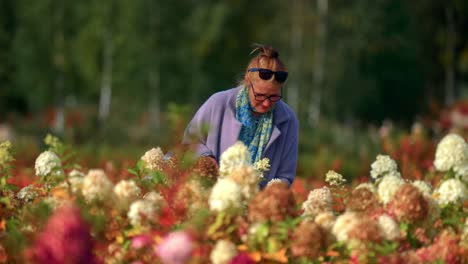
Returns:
point(266, 74)
point(263, 97)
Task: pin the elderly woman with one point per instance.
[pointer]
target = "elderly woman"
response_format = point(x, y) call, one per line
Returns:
point(252, 113)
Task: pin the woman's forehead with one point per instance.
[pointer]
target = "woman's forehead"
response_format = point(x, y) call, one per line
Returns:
point(267, 63)
point(267, 87)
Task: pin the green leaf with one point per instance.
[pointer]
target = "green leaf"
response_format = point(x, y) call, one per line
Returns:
point(5, 201)
point(159, 178)
point(217, 224)
point(132, 171)
point(15, 239)
point(126, 244)
point(386, 247)
point(12, 187)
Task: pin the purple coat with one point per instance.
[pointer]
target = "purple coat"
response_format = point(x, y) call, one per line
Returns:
point(219, 112)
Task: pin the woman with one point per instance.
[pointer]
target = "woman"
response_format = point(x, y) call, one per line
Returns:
point(253, 113)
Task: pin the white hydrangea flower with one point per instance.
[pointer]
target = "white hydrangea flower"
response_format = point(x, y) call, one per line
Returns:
point(153, 159)
point(367, 185)
point(48, 163)
point(225, 193)
point(75, 178)
point(325, 220)
point(344, 224)
point(334, 179)
point(451, 151)
point(318, 201)
point(382, 165)
point(76, 173)
point(154, 197)
point(51, 202)
point(141, 210)
point(235, 156)
point(450, 191)
point(274, 181)
point(76, 184)
point(262, 166)
point(247, 178)
point(223, 252)
point(461, 171)
point(96, 186)
point(423, 187)
point(389, 227)
point(199, 195)
point(55, 203)
point(27, 194)
point(388, 186)
point(394, 174)
point(126, 191)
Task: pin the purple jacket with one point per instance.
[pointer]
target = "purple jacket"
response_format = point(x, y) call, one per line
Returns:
point(219, 112)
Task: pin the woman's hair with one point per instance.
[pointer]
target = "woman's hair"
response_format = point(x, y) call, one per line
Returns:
point(267, 57)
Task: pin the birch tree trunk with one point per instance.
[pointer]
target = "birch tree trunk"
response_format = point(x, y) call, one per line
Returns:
point(106, 79)
point(319, 64)
point(154, 106)
point(450, 52)
point(296, 48)
point(59, 64)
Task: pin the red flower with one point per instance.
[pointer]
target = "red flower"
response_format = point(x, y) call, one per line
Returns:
point(242, 258)
point(66, 239)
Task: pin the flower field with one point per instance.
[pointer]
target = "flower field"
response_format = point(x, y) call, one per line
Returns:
point(172, 208)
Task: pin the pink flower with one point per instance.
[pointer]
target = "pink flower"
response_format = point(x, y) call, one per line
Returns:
point(176, 248)
point(141, 241)
point(242, 258)
point(65, 239)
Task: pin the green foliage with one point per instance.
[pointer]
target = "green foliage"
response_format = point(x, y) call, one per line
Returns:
point(345, 148)
point(198, 219)
point(377, 53)
point(385, 248)
point(96, 217)
point(148, 178)
point(65, 152)
point(6, 159)
point(408, 229)
point(138, 170)
point(453, 216)
point(284, 227)
point(223, 224)
point(16, 240)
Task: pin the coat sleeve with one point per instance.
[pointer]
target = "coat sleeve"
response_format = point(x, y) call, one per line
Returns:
point(196, 132)
point(287, 169)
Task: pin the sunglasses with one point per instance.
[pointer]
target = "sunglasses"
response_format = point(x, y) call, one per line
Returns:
point(266, 74)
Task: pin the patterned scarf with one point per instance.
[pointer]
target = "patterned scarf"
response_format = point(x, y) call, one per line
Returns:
point(256, 130)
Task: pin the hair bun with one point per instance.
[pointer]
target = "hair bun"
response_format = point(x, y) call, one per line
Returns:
point(266, 51)
point(274, 54)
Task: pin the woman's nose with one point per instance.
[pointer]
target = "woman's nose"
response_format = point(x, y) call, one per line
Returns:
point(267, 102)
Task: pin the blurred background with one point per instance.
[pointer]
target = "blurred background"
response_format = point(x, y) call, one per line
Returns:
point(114, 78)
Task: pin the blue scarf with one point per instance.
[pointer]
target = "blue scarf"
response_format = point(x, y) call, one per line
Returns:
point(256, 130)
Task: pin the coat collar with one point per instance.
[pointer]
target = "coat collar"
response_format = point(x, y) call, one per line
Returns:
point(280, 115)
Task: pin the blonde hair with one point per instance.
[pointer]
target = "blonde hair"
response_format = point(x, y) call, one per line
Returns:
point(267, 58)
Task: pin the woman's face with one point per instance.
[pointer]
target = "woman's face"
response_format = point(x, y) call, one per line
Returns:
point(261, 88)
